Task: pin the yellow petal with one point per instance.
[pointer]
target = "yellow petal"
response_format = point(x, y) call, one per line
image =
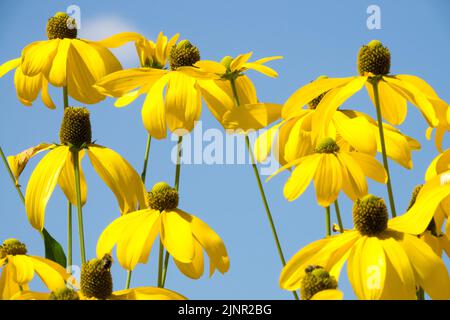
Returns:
point(299, 141)
point(58, 70)
point(417, 218)
point(37, 57)
point(52, 274)
point(251, 116)
point(309, 92)
point(218, 100)
point(22, 268)
point(267, 59)
point(137, 238)
point(370, 166)
point(357, 132)
point(183, 102)
point(18, 162)
point(429, 269)
point(8, 287)
point(153, 110)
point(367, 268)
point(211, 66)
point(393, 105)
point(45, 96)
point(329, 294)
point(264, 142)
point(415, 96)
point(261, 68)
point(147, 293)
point(9, 65)
point(328, 180)
point(213, 244)
point(42, 183)
point(119, 176)
point(354, 180)
point(237, 63)
point(245, 90)
point(439, 165)
point(194, 269)
point(419, 83)
point(301, 177)
point(31, 295)
point(126, 99)
point(27, 88)
point(120, 39)
point(67, 180)
point(177, 236)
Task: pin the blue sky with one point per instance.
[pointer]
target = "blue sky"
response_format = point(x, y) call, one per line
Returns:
point(315, 38)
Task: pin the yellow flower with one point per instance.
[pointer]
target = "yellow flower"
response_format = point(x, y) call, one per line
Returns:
point(96, 284)
point(178, 106)
point(382, 262)
point(220, 82)
point(394, 90)
point(295, 135)
point(19, 269)
point(333, 168)
point(318, 284)
point(182, 234)
point(57, 167)
point(63, 61)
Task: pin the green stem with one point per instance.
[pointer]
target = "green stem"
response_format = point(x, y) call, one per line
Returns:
point(65, 97)
point(11, 175)
point(177, 187)
point(127, 285)
point(338, 216)
point(76, 163)
point(327, 221)
point(147, 152)
point(160, 264)
point(261, 189)
point(69, 237)
point(383, 146)
point(420, 294)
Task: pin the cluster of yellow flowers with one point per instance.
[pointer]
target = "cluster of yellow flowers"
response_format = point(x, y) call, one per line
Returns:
point(398, 258)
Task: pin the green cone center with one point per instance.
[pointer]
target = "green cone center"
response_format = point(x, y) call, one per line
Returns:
point(96, 279)
point(370, 215)
point(64, 294)
point(327, 145)
point(12, 247)
point(316, 279)
point(162, 197)
point(374, 58)
point(76, 127)
point(61, 26)
point(184, 54)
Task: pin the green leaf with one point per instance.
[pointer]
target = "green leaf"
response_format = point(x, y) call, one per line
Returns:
point(53, 250)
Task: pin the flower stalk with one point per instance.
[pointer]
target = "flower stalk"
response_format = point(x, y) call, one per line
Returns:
point(76, 163)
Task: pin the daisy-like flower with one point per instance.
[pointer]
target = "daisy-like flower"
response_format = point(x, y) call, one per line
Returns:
point(183, 235)
point(374, 61)
point(382, 262)
point(292, 138)
point(180, 106)
point(58, 167)
point(62, 61)
point(97, 284)
point(333, 168)
point(230, 94)
point(19, 269)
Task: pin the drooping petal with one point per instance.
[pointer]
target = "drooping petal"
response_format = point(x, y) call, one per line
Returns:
point(194, 269)
point(42, 183)
point(153, 110)
point(22, 268)
point(52, 274)
point(213, 244)
point(183, 102)
point(137, 238)
point(246, 90)
point(301, 177)
point(9, 65)
point(8, 287)
point(211, 66)
point(309, 92)
point(393, 105)
point(120, 39)
point(119, 176)
point(58, 70)
point(45, 95)
point(217, 98)
point(176, 235)
point(31, 295)
point(263, 144)
point(27, 88)
point(18, 162)
point(261, 68)
point(67, 180)
point(328, 179)
point(367, 268)
point(251, 116)
point(354, 180)
point(38, 56)
point(370, 166)
point(429, 270)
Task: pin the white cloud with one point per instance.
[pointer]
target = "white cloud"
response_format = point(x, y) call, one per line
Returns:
point(102, 27)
